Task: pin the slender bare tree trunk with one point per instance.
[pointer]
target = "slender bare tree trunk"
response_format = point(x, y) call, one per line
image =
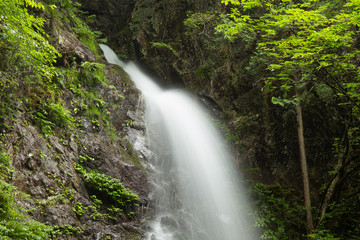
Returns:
point(304, 170)
point(303, 162)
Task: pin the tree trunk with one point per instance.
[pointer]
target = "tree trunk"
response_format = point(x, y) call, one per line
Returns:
point(329, 194)
point(304, 170)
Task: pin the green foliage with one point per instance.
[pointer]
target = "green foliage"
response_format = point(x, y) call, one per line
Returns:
point(200, 23)
point(5, 164)
point(322, 235)
point(23, 42)
point(6, 199)
point(128, 123)
point(53, 114)
point(30, 58)
point(67, 192)
point(277, 215)
point(93, 74)
point(168, 46)
point(26, 55)
point(84, 159)
point(12, 222)
point(8, 85)
point(20, 229)
point(93, 210)
point(211, 50)
point(4, 159)
point(324, 92)
point(68, 11)
point(202, 71)
point(310, 50)
point(95, 214)
point(31, 84)
point(84, 82)
point(342, 218)
point(110, 188)
point(86, 35)
point(78, 209)
point(303, 39)
point(114, 211)
point(96, 202)
point(58, 114)
point(65, 231)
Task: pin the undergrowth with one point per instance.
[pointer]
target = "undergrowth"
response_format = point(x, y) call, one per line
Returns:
point(36, 83)
point(13, 223)
point(110, 189)
point(279, 216)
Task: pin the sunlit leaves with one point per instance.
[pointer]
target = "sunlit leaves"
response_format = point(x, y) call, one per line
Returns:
point(240, 27)
point(197, 22)
point(234, 2)
point(29, 3)
point(245, 4)
point(23, 40)
point(311, 52)
point(299, 38)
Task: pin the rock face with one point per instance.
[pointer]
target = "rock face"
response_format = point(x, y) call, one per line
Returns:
point(47, 167)
point(112, 19)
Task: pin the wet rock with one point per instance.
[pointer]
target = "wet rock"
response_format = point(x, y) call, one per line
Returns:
point(115, 15)
point(44, 169)
point(60, 215)
point(70, 45)
point(180, 236)
point(31, 163)
point(169, 224)
point(138, 140)
point(137, 118)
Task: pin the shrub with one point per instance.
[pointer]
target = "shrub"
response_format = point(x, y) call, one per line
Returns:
point(12, 222)
point(112, 188)
point(277, 214)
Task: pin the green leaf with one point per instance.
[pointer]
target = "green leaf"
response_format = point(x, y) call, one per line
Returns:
point(278, 101)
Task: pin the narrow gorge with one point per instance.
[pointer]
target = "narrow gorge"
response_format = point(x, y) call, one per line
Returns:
point(179, 119)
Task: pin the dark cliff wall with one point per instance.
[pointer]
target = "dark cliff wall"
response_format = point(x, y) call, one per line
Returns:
point(66, 145)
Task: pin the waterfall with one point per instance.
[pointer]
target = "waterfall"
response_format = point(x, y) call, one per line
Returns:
point(198, 192)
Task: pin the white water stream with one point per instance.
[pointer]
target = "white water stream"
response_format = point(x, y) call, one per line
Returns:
point(199, 196)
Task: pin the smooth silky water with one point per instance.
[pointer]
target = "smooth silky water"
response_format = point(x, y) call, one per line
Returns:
point(198, 192)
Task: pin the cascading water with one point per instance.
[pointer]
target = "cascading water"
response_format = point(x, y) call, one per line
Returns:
point(198, 193)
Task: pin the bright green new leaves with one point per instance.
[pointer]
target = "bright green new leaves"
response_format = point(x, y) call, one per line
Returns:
point(30, 3)
point(240, 26)
point(23, 40)
point(305, 38)
point(311, 52)
point(112, 188)
point(246, 4)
